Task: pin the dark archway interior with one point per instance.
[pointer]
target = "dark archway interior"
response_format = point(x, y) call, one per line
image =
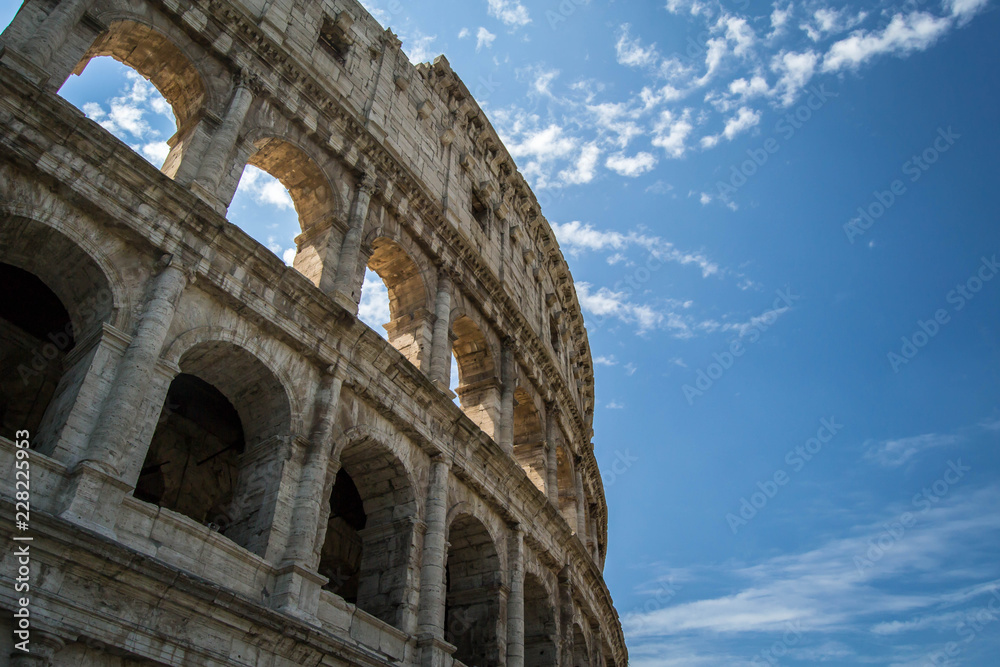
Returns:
point(192, 464)
point(35, 335)
point(340, 561)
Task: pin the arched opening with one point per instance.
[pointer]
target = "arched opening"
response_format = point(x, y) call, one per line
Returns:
point(175, 82)
point(472, 610)
point(566, 478)
point(216, 449)
point(540, 631)
point(529, 439)
point(478, 386)
point(340, 560)
point(369, 533)
point(36, 334)
point(409, 326)
point(51, 314)
point(282, 195)
point(193, 461)
point(581, 656)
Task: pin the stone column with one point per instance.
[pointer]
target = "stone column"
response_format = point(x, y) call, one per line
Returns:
point(110, 445)
point(508, 380)
point(441, 340)
point(515, 601)
point(430, 617)
point(347, 266)
point(298, 585)
point(112, 451)
point(581, 507)
point(220, 148)
point(566, 617)
point(552, 452)
point(55, 30)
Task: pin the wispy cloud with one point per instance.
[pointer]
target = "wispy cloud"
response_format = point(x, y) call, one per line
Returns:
point(741, 67)
point(577, 237)
point(510, 12)
point(945, 558)
point(894, 453)
point(484, 39)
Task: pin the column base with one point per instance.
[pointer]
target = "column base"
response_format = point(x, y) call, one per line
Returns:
point(446, 389)
point(92, 498)
point(434, 651)
point(208, 197)
point(296, 592)
point(346, 302)
point(24, 67)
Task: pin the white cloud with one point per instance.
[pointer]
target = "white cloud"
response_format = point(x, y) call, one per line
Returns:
point(894, 453)
point(265, 189)
point(585, 167)
point(905, 33)
point(632, 166)
point(779, 19)
point(632, 53)
point(484, 38)
point(705, 199)
point(289, 256)
point(608, 303)
point(739, 32)
point(156, 151)
point(671, 132)
point(744, 119)
point(826, 21)
point(795, 70)
point(543, 81)
point(966, 9)
point(510, 12)
point(755, 87)
point(546, 144)
point(615, 405)
point(463, 33)
point(693, 7)
point(605, 361)
point(576, 237)
point(418, 47)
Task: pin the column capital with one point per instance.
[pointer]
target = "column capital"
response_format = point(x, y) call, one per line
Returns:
point(368, 182)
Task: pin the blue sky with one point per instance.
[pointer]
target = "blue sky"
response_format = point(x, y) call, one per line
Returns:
point(781, 220)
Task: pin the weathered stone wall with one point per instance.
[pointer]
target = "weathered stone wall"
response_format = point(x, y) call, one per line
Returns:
point(390, 166)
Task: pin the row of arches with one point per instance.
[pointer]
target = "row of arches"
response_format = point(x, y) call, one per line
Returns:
point(170, 62)
point(225, 419)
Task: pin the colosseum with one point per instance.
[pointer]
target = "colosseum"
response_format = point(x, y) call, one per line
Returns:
point(208, 458)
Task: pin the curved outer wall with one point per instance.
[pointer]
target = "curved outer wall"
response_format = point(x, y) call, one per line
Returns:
point(483, 528)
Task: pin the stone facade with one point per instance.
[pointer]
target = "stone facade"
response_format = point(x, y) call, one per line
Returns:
point(228, 467)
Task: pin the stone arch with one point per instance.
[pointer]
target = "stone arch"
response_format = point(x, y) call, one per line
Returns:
point(316, 201)
point(409, 327)
point(529, 438)
point(473, 580)
point(85, 279)
point(581, 654)
point(220, 442)
point(478, 381)
point(541, 632)
point(566, 479)
point(52, 337)
point(157, 58)
point(245, 339)
point(368, 539)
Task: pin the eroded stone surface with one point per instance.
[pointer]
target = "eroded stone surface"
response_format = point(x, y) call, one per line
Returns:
point(228, 467)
